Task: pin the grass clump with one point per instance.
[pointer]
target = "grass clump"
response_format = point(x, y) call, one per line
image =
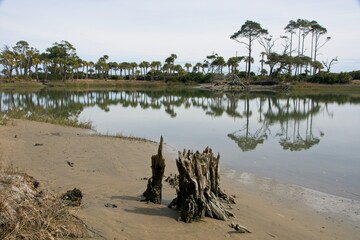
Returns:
point(27, 212)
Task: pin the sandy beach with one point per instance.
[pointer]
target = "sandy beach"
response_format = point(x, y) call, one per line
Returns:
point(112, 170)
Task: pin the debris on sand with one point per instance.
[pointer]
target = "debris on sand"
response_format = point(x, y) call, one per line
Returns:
point(72, 197)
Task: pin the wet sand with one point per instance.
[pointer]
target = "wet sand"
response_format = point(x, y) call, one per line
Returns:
point(111, 170)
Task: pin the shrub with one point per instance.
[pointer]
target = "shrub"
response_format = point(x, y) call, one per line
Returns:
point(355, 74)
point(331, 78)
point(344, 78)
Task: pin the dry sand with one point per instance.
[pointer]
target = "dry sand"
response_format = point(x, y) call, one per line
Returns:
point(110, 170)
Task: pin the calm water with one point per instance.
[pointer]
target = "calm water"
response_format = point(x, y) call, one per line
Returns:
point(308, 141)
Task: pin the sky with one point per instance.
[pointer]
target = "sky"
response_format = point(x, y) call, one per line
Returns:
point(151, 30)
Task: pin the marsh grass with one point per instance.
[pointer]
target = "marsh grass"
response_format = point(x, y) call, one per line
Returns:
point(47, 118)
point(121, 136)
point(352, 89)
point(36, 219)
point(26, 212)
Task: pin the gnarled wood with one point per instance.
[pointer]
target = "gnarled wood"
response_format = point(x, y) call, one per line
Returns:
point(153, 193)
point(199, 187)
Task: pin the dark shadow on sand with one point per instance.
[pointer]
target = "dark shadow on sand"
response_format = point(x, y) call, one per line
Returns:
point(137, 199)
point(127, 198)
point(162, 211)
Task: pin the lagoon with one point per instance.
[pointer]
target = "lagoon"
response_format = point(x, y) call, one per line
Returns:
point(306, 140)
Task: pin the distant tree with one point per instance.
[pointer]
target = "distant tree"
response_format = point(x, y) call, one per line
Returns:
point(123, 68)
point(218, 64)
point(8, 60)
point(59, 54)
point(170, 61)
point(317, 66)
point(155, 68)
point(144, 65)
point(113, 67)
point(205, 65)
point(36, 61)
point(133, 66)
point(317, 31)
point(301, 61)
point(198, 66)
point(251, 31)
point(233, 63)
point(248, 62)
point(290, 28)
point(210, 59)
point(91, 68)
point(328, 63)
point(188, 66)
point(102, 66)
point(277, 63)
point(85, 70)
point(303, 29)
point(178, 69)
point(45, 60)
point(262, 61)
point(22, 56)
point(215, 63)
point(166, 68)
point(268, 44)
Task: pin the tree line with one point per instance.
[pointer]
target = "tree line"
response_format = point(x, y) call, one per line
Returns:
point(61, 62)
point(300, 45)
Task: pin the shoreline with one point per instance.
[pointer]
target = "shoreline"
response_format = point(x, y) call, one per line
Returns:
point(109, 169)
point(328, 205)
point(354, 85)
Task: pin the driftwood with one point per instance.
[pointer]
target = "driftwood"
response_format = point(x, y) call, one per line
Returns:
point(199, 190)
point(153, 192)
point(240, 228)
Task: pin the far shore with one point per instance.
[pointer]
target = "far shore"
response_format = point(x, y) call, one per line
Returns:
point(95, 84)
point(112, 170)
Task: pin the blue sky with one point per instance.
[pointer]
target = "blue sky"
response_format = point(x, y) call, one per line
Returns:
point(151, 30)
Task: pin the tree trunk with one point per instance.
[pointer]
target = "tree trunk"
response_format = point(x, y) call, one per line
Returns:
point(199, 187)
point(154, 187)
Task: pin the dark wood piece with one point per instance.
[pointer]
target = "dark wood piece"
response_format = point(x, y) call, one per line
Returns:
point(199, 190)
point(153, 193)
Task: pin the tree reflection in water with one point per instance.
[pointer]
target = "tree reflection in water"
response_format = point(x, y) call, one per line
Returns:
point(291, 116)
point(244, 138)
point(291, 113)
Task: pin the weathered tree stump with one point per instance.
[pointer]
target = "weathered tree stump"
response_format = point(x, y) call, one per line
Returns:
point(153, 192)
point(199, 187)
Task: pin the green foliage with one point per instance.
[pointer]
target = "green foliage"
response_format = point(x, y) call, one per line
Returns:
point(344, 77)
point(242, 74)
point(355, 75)
point(251, 30)
point(190, 77)
point(331, 78)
